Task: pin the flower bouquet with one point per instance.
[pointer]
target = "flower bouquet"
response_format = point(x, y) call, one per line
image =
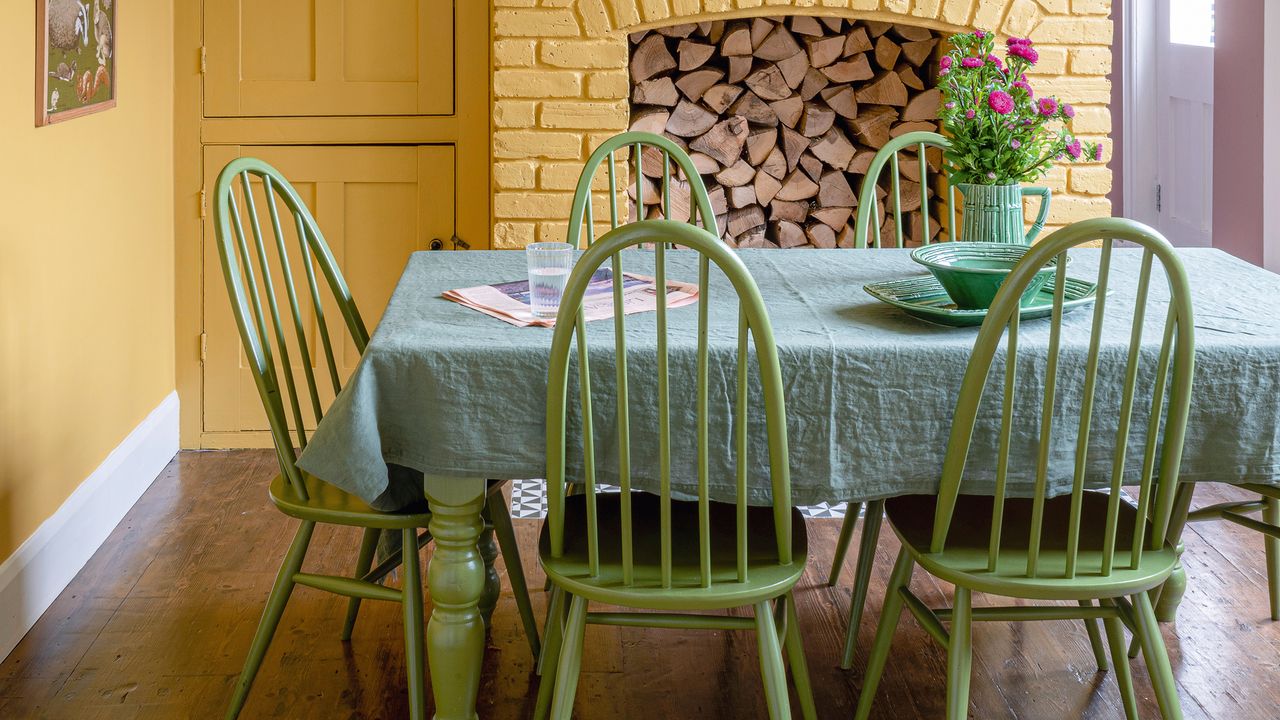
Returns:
point(1001, 134)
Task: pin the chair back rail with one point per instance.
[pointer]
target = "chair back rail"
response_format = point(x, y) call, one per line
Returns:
point(1169, 400)
point(582, 211)
point(868, 218)
point(754, 331)
point(252, 265)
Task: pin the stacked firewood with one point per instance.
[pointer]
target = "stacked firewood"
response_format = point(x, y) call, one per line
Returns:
point(782, 118)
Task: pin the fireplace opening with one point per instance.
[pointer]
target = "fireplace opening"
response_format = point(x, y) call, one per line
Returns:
point(782, 116)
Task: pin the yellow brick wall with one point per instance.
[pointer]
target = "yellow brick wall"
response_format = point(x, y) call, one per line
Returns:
point(560, 86)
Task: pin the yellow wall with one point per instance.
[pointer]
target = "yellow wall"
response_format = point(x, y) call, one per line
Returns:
point(86, 266)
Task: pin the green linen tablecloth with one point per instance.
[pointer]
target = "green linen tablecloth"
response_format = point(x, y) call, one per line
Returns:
point(870, 391)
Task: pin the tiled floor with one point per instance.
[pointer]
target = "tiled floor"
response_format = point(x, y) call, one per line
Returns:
point(529, 501)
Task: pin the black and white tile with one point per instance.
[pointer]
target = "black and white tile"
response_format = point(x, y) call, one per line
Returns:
point(529, 501)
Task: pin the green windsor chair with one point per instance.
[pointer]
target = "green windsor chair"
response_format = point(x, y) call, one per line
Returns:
point(1081, 547)
point(661, 154)
point(925, 232)
point(675, 560)
point(272, 339)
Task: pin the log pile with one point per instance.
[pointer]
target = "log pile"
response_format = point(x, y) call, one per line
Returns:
point(782, 116)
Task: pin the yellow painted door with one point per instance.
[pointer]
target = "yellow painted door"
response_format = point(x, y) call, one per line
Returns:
point(278, 58)
point(375, 205)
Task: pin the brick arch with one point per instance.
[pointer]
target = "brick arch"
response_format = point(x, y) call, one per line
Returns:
point(560, 86)
point(1007, 17)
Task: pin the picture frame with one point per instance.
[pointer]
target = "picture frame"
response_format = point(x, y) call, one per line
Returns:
point(75, 58)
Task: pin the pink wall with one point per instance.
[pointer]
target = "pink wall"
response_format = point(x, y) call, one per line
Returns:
point(1238, 128)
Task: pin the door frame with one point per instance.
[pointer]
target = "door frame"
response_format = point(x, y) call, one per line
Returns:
point(1271, 140)
point(1138, 70)
point(472, 139)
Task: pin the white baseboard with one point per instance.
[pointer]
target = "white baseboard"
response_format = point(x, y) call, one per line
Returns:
point(41, 568)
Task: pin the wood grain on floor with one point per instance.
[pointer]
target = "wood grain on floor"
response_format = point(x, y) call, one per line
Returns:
point(158, 622)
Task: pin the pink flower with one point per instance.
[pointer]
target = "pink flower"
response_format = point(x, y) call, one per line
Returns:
point(991, 176)
point(1097, 152)
point(1026, 52)
point(970, 114)
point(945, 62)
point(1068, 111)
point(995, 61)
point(944, 73)
point(950, 106)
point(971, 62)
point(1017, 41)
point(1026, 88)
point(979, 34)
point(1074, 149)
point(1015, 144)
point(1000, 101)
point(1048, 106)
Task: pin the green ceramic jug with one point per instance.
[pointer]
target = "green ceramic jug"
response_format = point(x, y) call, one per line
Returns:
point(993, 213)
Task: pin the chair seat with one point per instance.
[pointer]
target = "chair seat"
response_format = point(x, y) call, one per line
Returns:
point(326, 503)
point(964, 559)
point(766, 578)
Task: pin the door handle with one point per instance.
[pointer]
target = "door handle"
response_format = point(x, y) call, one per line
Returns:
point(458, 244)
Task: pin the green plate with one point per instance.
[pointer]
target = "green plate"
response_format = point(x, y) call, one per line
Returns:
point(923, 297)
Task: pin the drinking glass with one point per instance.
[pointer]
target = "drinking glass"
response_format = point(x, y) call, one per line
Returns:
point(549, 265)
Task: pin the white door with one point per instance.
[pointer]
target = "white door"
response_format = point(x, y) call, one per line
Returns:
point(1184, 120)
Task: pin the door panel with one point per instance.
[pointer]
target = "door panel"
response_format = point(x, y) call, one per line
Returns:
point(328, 57)
point(1184, 62)
point(374, 206)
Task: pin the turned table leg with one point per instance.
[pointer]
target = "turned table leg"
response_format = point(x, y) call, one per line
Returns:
point(1175, 587)
point(488, 547)
point(456, 580)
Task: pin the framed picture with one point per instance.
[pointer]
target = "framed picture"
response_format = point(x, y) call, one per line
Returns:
point(75, 58)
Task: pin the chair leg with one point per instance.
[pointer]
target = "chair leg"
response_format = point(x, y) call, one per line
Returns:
point(960, 655)
point(414, 639)
point(276, 602)
point(553, 632)
point(566, 682)
point(1135, 644)
point(553, 624)
point(799, 664)
point(500, 516)
point(771, 668)
point(364, 561)
point(851, 513)
point(862, 577)
point(1157, 657)
point(1095, 639)
point(1124, 676)
point(889, 617)
point(1272, 517)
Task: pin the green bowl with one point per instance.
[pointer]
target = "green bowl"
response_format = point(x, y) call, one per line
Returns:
point(972, 272)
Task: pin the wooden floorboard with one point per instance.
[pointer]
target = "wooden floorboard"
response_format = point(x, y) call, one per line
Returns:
point(158, 622)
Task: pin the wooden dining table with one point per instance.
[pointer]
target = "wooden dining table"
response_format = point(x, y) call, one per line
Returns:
point(460, 397)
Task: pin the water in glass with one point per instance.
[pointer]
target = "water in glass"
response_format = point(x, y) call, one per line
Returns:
point(549, 265)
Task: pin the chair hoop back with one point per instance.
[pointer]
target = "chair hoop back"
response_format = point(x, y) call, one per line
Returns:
point(753, 325)
point(252, 266)
point(582, 211)
point(1169, 392)
point(868, 201)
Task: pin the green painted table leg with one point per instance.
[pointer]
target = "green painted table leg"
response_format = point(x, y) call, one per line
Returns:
point(456, 581)
point(1170, 596)
point(488, 547)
